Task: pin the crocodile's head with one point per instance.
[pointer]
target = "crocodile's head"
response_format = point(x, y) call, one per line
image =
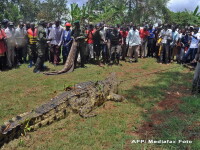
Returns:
point(113, 82)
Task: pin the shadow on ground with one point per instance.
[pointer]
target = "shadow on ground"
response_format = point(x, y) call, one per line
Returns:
point(166, 115)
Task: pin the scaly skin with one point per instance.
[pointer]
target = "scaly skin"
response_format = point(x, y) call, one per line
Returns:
point(83, 98)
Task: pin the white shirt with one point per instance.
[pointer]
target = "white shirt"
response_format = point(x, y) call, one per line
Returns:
point(133, 38)
point(194, 42)
point(56, 34)
point(9, 33)
point(20, 36)
point(166, 35)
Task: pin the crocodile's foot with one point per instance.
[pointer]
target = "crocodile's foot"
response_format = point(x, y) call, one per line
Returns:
point(115, 97)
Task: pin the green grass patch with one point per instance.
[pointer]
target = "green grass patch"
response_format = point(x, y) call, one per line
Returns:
point(21, 91)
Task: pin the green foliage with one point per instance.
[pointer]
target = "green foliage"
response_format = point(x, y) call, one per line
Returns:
point(53, 9)
point(9, 10)
point(186, 17)
point(109, 11)
point(29, 9)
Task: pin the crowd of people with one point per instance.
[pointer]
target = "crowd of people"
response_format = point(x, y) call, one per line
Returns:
point(98, 44)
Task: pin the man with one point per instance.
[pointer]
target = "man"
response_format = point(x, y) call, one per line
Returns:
point(2, 47)
point(124, 34)
point(10, 31)
point(5, 23)
point(173, 44)
point(20, 34)
point(25, 52)
point(41, 46)
point(90, 42)
point(134, 41)
point(56, 34)
point(98, 43)
point(151, 41)
point(67, 42)
point(32, 41)
point(196, 79)
point(79, 37)
point(144, 33)
point(115, 48)
point(49, 54)
point(166, 35)
point(193, 45)
point(185, 39)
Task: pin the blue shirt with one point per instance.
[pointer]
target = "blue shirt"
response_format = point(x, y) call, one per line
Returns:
point(66, 37)
point(151, 32)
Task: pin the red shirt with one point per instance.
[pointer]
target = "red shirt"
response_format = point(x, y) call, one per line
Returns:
point(90, 34)
point(124, 34)
point(144, 34)
point(2, 42)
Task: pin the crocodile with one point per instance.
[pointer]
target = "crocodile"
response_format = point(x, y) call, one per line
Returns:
point(82, 99)
point(69, 64)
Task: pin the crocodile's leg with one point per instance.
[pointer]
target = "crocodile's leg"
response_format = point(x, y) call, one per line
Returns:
point(115, 97)
point(86, 111)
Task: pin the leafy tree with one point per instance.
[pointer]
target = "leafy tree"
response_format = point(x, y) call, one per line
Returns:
point(29, 9)
point(9, 10)
point(53, 9)
point(185, 18)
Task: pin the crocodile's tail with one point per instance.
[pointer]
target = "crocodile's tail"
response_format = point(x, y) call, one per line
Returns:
point(69, 65)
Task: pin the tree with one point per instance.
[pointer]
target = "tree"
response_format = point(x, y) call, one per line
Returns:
point(185, 18)
point(9, 10)
point(29, 9)
point(53, 9)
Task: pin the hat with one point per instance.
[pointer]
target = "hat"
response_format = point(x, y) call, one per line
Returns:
point(68, 24)
point(20, 20)
point(76, 22)
point(42, 21)
point(5, 21)
point(11, 24)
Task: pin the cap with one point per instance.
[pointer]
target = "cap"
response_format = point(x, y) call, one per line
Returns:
point(11, 23)
point(5, 21)
point(20, 20)
point(42, 21)
point(68, 24)
point(76, 22)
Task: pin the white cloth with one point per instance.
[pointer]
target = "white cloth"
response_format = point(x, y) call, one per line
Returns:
point(56, 34)
point(166, 35)
point(20, 36)
point(133, 38)
point(9, 33)
point(194, 42)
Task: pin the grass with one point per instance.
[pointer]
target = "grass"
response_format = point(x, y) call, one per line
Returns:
point(116, 124)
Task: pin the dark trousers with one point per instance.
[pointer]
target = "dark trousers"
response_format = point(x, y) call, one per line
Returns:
point(191, 52)
point(65, 52)
point(19, 54)
point(2, 62)
point(171, 47)
point(97, 49)
point(81, 50)
point(41, 57)
point(151, 45)
point(32, 52)
point(164, 55)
